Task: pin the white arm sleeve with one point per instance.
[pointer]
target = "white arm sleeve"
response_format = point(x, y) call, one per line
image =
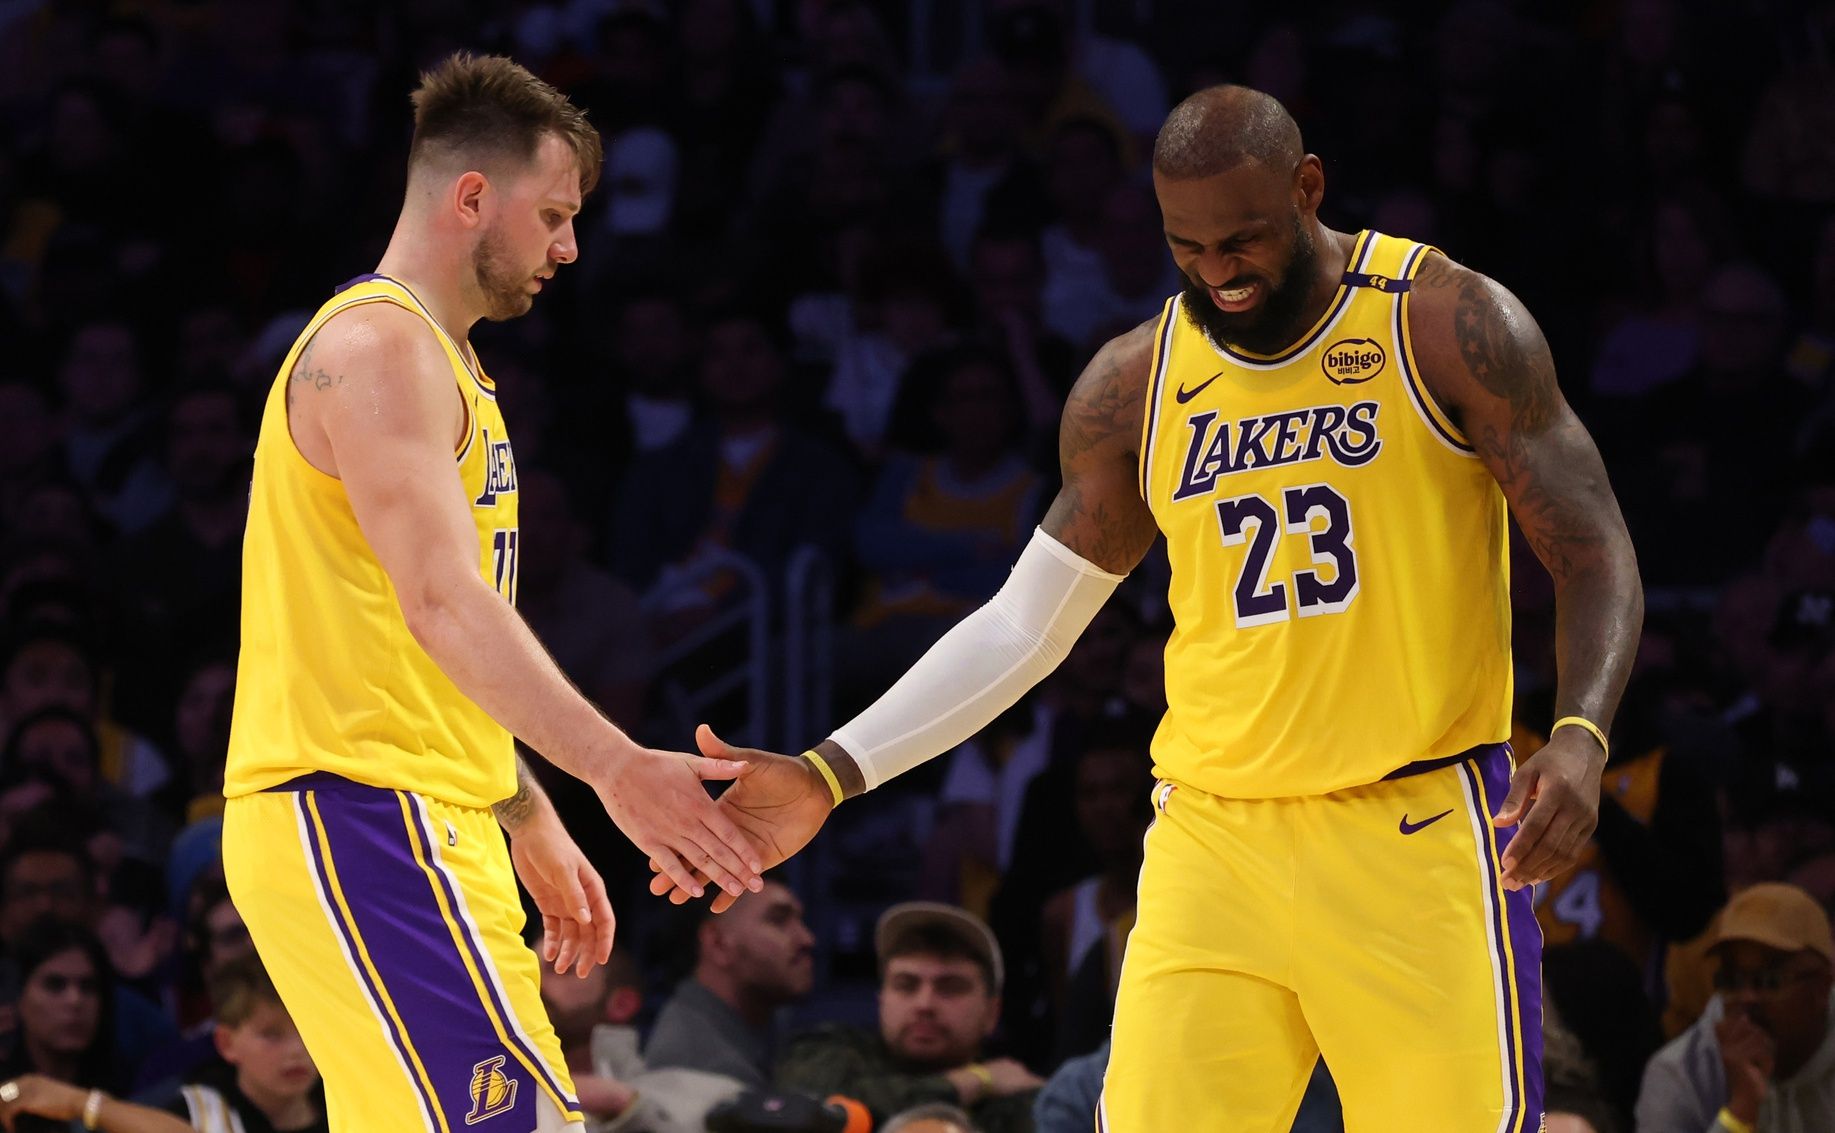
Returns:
point(984, 665)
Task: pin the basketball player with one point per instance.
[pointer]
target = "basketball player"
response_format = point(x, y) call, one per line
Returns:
point(384, 669)
point(1326, 427)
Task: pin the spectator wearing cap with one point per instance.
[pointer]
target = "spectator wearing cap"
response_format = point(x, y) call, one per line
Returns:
point(940, 975)
point(749, 961)
point(1762, 1057)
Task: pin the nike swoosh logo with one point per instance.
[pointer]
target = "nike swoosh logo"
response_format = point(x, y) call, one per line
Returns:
point(1184, 395)
point(1411, 827)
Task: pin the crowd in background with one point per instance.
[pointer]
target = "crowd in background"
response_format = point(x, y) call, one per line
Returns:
point(846, 258)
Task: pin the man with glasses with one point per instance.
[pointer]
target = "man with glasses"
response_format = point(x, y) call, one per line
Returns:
point(1762, 1057)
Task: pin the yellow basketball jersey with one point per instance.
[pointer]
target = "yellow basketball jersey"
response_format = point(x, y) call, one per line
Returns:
point(329, 677)
point(1340, 582)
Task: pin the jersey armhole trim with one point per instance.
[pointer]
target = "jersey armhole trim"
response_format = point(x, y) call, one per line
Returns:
point(1438, 422)
point(1150, 420)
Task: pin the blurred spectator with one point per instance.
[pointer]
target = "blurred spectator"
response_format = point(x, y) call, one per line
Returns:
point(1573, 1102)
point(749, 961)
point(1083, 165)
point(264, 1079)
point(654, 359)
point(949, 513)
point(110, 445)
point(931, 1117)
point(748, 480)
point(1810, 358)
point(1064, 69)
point(1007, 272)
point(53, 755)
point(26, 458)
point(1136, 278)
point(983, 176)
point(1660, 340)
point(179, 581)
point(66, 1007)
point(51, 665)
point(907, 304)
point(200, 733)
point(586, 618)
point(47, 877)
point(939, 1000)
point(1736, 467)
point(593, 1019)
point(1764, 1051)
point(1084, 928)
point(1651, 873)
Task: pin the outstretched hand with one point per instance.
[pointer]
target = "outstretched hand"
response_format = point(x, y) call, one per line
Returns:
point(1555, 795)
point(779, 804)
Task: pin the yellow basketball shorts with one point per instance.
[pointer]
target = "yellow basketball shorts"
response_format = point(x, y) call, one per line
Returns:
point(391, 926)
point(1368, 925)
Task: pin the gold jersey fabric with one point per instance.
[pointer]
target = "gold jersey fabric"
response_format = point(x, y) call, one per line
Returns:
point(1340, 580)
point(329, 677)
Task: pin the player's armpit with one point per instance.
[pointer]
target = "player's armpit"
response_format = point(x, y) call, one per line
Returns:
point(1099, 513)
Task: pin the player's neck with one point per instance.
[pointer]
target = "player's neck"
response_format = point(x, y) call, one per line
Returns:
point(416, 260)
point(1334, 259)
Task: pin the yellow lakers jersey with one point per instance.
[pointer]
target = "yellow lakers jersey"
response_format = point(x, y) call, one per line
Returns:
point(1340, 585)
point(329, 678)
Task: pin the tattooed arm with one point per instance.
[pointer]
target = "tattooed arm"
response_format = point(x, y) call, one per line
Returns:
point(527, 803)
point(1487, 364)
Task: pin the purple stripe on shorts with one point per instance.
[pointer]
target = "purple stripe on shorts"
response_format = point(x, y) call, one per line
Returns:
point(397, 915)
point(1525, 937)
point(322, 878)
point(481, 961)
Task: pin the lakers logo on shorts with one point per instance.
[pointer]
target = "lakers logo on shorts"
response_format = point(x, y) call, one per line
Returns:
point(492, 1091)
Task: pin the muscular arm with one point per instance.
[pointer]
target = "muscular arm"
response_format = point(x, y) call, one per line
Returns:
point(1485, 360)
point(380, 404)
point(1098, 514)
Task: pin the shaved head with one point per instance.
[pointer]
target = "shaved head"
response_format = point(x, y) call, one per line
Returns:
point(1223, 127)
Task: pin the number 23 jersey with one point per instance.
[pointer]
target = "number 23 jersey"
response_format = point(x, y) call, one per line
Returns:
point(1339, 554)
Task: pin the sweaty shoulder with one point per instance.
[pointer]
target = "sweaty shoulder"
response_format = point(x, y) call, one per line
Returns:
point(1471, 336)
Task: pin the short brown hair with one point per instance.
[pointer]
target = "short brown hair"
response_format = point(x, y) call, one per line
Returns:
point(240, 986)
point(490, 108)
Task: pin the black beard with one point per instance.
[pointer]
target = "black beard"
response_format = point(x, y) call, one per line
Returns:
point(1278, 322)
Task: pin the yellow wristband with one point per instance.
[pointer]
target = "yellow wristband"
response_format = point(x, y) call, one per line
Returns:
point(92, 1109)
point(828, 773)
point(1583, 722)
point(986, 1077)
point(1730, 1123)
